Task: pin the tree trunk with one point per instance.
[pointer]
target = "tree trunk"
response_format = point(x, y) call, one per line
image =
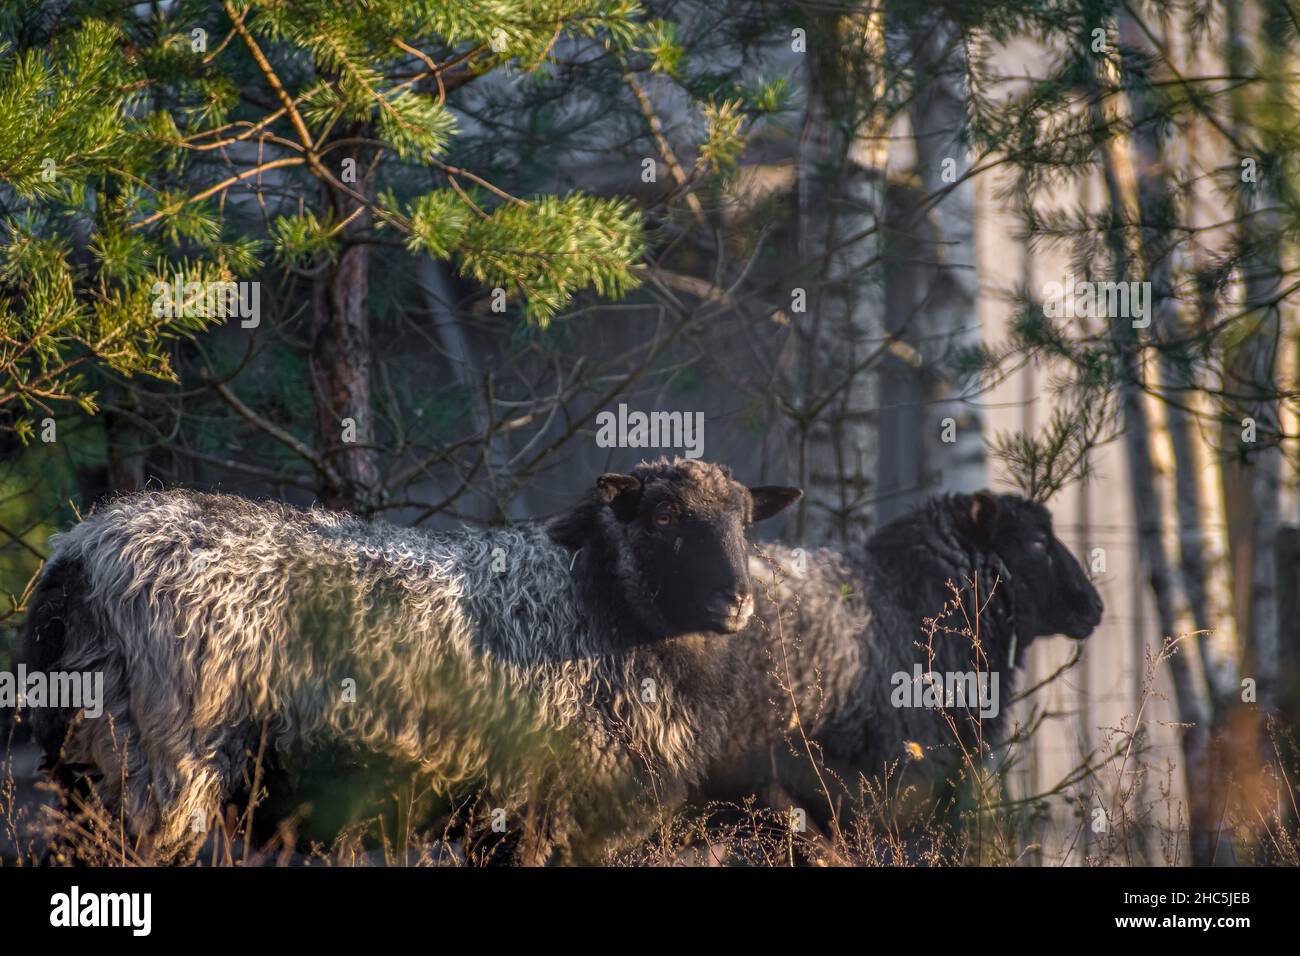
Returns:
point(122, 441)
point(842, 160)
point(1156, 205)
point(467, 370)
point(341, 361)
point(946, 296)
point(1148, 507)
point(1250, 373)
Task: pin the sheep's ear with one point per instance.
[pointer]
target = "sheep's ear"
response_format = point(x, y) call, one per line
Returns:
point(773, 499)
point(984, 515)
point(621, 492)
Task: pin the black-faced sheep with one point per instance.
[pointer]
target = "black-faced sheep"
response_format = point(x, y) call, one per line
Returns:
point(572, 660)
point(848, 645)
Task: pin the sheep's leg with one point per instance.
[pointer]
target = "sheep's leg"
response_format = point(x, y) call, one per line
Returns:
point(169, 812)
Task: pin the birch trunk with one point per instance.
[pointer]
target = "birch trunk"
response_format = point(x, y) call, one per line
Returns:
point(1159, 249)
point(842, 168)
point(946, 299)
point(467, 367)
point(1250, 373)
point(1148, 507)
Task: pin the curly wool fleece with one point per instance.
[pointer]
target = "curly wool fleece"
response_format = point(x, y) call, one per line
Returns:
point(831, 635)
point(213, 617)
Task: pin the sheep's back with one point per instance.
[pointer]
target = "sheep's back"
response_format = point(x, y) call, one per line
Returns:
point(229, 612)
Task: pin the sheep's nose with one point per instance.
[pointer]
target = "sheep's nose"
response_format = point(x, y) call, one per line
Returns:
point(1098, 606)
point(735, 608)
point(736, 600)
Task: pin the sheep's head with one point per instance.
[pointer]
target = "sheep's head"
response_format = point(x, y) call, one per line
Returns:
point(1053, 594)
point(678, 530)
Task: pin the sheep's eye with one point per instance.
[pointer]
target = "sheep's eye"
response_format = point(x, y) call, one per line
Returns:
point(666, 515)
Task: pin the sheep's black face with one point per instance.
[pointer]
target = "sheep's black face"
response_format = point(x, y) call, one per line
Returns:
point(682, 526)
point(1053, 592)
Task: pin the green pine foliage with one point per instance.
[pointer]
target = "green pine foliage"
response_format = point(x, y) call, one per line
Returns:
point(1055, 131)
point(127, 148)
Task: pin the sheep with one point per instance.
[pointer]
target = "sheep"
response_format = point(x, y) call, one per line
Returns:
point(570, 660)
point(844, 640)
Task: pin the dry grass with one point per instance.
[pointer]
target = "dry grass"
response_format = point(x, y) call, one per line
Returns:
point(1126, 808)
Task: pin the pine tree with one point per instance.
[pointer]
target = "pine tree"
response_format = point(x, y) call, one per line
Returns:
point(172, 131)
point(75, 280)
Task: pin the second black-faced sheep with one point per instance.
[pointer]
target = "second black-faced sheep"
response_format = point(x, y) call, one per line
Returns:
point(572, 661)
point(843, 641)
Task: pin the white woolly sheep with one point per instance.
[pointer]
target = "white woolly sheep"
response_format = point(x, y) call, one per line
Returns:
point(514, 660)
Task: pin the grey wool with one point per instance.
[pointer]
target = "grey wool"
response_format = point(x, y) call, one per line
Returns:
point(565, 663)
point(833, 634)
